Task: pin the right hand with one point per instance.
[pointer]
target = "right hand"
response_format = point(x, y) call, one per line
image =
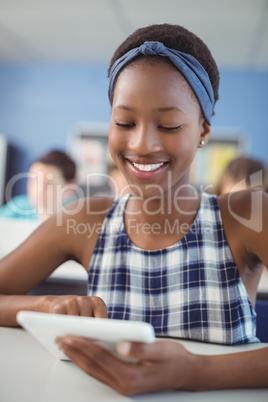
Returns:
point(163, 365)
point(73, 305)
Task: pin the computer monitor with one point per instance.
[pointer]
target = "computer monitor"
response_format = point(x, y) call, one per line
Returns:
point(87, 144)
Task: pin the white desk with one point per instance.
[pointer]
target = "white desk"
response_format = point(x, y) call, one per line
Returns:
point(28, 373)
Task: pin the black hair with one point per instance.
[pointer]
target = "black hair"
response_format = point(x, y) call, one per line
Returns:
point(61, 160)
point(242, 168)
point(175, 37)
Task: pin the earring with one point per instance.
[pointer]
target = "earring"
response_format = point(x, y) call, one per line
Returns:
point(202, 142)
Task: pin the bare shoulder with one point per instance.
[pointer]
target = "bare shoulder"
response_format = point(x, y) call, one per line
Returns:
point(87, 209)
point(80, 224)
point(245, 221)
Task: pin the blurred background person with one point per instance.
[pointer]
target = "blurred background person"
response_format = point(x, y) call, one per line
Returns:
point(51, 184)
point(241, 173)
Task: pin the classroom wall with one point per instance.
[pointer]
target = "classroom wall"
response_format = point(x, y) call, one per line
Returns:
point(244, 103)
point(39, 103)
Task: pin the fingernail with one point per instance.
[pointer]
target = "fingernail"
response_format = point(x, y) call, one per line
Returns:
point(58, 340)
point(123, 348)
point(60, 346)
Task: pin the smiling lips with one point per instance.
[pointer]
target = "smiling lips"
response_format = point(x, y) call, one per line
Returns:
point(147, 168)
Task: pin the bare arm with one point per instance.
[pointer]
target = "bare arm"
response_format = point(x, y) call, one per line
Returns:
point(49, 246)
point(34, 260)
point(167, 365)
point(245, 221)
point(237, 370)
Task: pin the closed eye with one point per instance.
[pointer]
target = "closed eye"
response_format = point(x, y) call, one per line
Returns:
point(124, 125)
point(170, 128)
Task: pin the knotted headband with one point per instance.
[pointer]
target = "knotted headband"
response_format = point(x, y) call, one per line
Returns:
point(190, 68)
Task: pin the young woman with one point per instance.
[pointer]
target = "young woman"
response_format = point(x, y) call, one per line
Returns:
point(186, 262)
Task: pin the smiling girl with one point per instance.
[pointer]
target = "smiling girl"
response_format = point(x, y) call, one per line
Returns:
point(188, 263)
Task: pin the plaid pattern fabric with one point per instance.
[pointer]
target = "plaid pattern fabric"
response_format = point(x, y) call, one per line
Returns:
point(189, 290)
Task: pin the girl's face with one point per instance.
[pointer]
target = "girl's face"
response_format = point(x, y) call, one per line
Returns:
point(156, 127)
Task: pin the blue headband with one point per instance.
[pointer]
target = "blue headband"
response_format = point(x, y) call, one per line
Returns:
point(190, 68)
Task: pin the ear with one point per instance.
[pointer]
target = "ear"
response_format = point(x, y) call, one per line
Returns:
point(204, 133)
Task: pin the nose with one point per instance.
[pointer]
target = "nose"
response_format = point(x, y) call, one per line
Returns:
point(145, 140)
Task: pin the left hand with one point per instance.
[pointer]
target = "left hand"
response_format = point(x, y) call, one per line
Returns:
point(162, 365)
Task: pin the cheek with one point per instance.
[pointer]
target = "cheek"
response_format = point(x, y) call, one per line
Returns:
point(116, 144)
point(182, 149)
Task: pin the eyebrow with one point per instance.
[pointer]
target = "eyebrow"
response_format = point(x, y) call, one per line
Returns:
point(162, 109)
point(131, 109)
point(170, 109)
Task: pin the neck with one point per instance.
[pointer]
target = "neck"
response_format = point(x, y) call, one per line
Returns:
point(169, 205)
point(153, 224)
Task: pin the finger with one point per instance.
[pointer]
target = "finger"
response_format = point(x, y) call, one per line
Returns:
point(125, 378)
point(67, 306)
point(89, 348)
point(91, 358)
point(85, 306)
point(59, 340)
point(83, 361)
point(97, 353)
point(58, 309)
point(99, 309)
point(72, 306)
point(93, 307)
point(159, 350)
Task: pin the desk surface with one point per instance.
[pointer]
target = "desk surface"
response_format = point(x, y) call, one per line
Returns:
point(29, 374)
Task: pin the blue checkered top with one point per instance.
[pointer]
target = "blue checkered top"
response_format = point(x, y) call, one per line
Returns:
point(190, 290)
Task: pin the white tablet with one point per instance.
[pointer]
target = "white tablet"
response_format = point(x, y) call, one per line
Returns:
point(47, 327)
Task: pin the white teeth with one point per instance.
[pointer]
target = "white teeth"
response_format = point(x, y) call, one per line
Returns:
point(148, 168)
